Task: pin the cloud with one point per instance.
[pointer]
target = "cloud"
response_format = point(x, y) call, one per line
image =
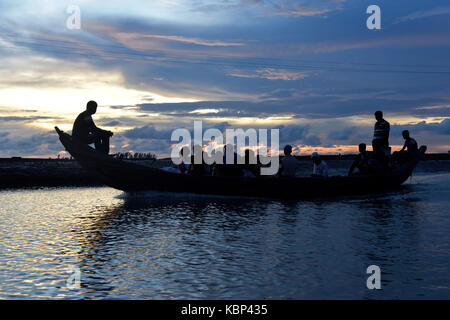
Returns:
point(149, 138)
point(312, 104)
point(45, 143)
point(430, 111)
point(424, 14)
point(280, 94)
point(292, 133)
point(312, 141)
point(244, 59)
point(165, 45)
point(196, 41)
point(298, 134)
point(223, 108)
point(410, 40)
point(276, 7)
point(300, 11)
point(112, 124)
point(343, 134)
point(24, 119)
point(270, 74)
point(147, 132)
point(441, 128)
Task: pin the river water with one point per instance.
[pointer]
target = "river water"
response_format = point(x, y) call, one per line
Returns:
point(168, 246)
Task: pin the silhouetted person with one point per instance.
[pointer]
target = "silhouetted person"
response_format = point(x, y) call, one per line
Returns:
point(229, 168)
point(410, 143)
point(410, 148)
point(197, 169)
point(183, 167)
point(85, 130)
point(289, 165)
point(250, 168)
point(217, 168)
point(380, 142)
point(320, 168)
point(361, 162)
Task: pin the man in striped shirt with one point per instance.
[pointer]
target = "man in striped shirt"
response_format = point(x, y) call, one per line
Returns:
point(380, 142)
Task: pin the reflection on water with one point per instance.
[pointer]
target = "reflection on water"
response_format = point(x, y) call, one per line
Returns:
point(159, 246)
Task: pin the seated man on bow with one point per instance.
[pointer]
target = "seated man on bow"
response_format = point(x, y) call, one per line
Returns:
point(85, 130)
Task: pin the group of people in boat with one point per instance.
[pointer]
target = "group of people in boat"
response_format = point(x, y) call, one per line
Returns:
point(248, 169)
point(290, 166)
point(378, 161)
point(381, 160)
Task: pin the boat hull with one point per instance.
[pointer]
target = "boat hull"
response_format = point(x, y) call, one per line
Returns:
point(127, 176)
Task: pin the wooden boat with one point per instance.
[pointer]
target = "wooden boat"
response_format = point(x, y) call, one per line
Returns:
point(129, 176)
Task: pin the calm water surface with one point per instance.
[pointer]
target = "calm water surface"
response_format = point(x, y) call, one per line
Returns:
point(154, 245)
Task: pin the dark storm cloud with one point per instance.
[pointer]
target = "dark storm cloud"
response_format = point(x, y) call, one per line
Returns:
point(189, 109)
point(145, 136)
point(147, 132)
point(292, 132)
point(342, 134)
point(313, 141)
point(42, 142)
point(112, 123)
point(150, 132)
point(440, 128)
point(320, 106)
point(432, 111)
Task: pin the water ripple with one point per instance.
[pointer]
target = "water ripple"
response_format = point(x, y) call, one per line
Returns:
point(166, 246)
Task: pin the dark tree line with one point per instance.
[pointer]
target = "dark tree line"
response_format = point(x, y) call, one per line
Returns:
point(136, 155)
point(121, 155)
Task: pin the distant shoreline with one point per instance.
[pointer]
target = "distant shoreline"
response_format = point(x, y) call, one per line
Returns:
point(428, 156)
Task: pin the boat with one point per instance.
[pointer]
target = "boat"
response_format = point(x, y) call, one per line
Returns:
point(129, 176)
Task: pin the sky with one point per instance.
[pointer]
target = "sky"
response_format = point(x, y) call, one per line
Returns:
point(311, 69)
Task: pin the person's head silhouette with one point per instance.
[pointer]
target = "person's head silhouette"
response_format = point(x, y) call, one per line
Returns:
point(91, 107)
point(287, 150)
point(379, 115)
point(315, 157)
point(405, 134)
point(362, 147)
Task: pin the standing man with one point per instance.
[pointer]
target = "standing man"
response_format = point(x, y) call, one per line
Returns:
point(380, 140)
point(85, 130)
